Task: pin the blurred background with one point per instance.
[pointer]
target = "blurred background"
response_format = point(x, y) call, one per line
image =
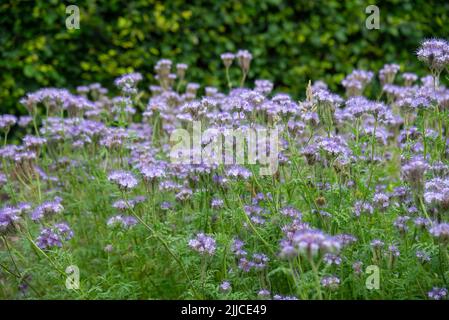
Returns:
point(291, 41)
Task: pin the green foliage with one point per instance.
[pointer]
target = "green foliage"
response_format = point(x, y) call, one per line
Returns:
point(292, 41)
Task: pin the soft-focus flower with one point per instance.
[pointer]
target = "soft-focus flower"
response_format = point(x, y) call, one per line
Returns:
point(203, 244)
point(125, 180)
point(437, 293)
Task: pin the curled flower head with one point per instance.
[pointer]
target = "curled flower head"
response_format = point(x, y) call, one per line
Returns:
point(330, 282)
point(434, 53)
point(440, 232)
point(125, 180)
point(203, 244)
point(437, 293)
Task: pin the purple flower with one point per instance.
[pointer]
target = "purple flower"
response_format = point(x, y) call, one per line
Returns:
point(7, 121)
point(225, 287)
point(401, 223)
point(314, 242)
point(264, 294)
point(8, 215)
point(362, 207)
point(125, 180)
point(423, 256)
point(237, 248)
point(291, 212)
point(54, 236)
point(46, 209)
point(124, 222)
point(388, 72)
point(227, 58)
point(330, 282)
point(381, 201)
point(394, 251)
point(331, 259)
point(357, 267)
point(436, 193)
point(217, 203)
point(435, 53)
point(440, 232)
point(413, 173)
point(244, 58)
point(203, 244)
point(127, 83)
point(437, 293)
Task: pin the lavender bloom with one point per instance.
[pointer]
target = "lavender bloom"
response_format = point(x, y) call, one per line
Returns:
point(376, 243)
point(331, 259)
point(356, 82)
point(388, 72)
point(24, 121)
point(409, 78)
point(7, 121)
point(8, 216)
point(279, 297)
point(381, 201)
point(437, 293)
point(238, 172)
point(394, 251)
point(203, 244)
point(401, 224)
point(125, 222)
point(314, 242)
point(217, 203)
point(435, 53)
point(436, 193)
point(225, 287)
point(422, 256)
point(413, 173)
point(357, 267)
point(127, 83)
point(264, 294)
point(244, 58)
point(440, 232)
point(362, 207)
point(330, 282)
point(237, 248)
point(259, 261)
point(46, 209)
point(181, 70)
point(227, 59)
point(421, 223)
point(54, 237)
point(245, 265)
point(125, 180)
point(291, 212)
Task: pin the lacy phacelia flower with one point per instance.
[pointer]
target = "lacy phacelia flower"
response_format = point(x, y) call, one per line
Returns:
point(227, 58)
point(128, 82)
point(47, 209)
point(54, 237)
point(203, 244)
point(8, 215)
point(310, 243)
point(125, 222)
point(125, 180)
point(225, 287)
point(436, 193)
point(440, 232)
point(437, 293)
point(413, 173)
point(435, 53)
point(330, 282)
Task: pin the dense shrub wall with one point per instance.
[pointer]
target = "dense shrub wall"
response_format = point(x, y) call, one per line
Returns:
point(292, 41)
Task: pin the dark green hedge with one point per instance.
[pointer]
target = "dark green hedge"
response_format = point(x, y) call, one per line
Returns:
point(292, 41)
